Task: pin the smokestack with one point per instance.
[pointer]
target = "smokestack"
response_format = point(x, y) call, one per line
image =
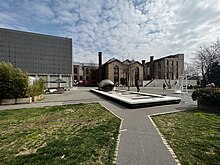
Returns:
point(151, 58)
point(143, 64)
point(100, 66)
point(152, 67)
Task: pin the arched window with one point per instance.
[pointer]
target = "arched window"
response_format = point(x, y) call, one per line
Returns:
point(177, 71)
point(136, 73)
point(87, 70)
point(116, 74)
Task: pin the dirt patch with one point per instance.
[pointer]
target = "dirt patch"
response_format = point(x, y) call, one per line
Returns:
point(26, 151)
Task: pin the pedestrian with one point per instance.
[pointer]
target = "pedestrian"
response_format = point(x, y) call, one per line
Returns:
point(138, 85)
point(164, 86)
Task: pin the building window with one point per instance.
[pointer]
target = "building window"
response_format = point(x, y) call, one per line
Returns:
point(136, 73)
point(159, 69)
point(81, 77)
point(116, 74)
point(75, 70)
point(172, 69)
point(87, 70)
point(148, 71)
point(168, 69)
point(75, 77)
point(177, 73)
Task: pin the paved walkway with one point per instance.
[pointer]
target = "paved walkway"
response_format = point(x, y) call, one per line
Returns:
point(140, 143)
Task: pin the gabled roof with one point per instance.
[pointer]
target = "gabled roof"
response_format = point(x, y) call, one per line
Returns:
point(111, 60)
point(131, 62)
point(124, 62)
point(169, 56)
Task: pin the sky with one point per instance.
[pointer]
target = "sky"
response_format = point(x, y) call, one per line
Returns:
point(123, 29)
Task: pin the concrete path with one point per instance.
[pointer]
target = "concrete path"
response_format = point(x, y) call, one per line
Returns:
point(140, 143)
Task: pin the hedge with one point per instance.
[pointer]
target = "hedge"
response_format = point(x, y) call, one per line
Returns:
point(207, 95)
point(37, 88)
point(13, 82)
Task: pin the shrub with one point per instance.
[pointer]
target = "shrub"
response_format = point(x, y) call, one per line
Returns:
point(207, 95)
point(13, 82)
point(37, 88)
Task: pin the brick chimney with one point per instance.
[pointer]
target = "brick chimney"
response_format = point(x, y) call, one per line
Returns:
point(144, 74)
point(100, 66)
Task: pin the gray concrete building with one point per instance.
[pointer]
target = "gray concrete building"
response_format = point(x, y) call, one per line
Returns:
point(43, 56)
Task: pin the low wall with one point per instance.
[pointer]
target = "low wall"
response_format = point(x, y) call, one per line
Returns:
point(23, 100)
point(7, 101)
point(15, 101)
point(20, 100)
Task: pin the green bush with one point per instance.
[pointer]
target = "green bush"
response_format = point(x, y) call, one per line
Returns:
point(37, 88)
point(207, 95)
point(13, 82)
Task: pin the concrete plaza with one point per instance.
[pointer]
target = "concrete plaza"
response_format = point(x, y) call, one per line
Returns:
point(140, 142)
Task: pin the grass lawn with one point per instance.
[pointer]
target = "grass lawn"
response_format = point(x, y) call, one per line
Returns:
point(193, 135)
point(69, 134)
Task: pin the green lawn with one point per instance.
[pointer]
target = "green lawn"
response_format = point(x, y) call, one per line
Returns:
point(70, 134)
point(193, 135)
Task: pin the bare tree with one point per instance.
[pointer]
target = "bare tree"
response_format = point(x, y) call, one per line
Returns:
point(217, 45)
point(205, 57)
point(191, 70)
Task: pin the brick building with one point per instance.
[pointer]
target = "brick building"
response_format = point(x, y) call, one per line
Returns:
point(169, 67)
point(85, 73)
point(116, 70)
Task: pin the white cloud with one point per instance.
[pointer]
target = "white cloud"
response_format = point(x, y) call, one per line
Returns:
point(121, 29)
point(39, 11)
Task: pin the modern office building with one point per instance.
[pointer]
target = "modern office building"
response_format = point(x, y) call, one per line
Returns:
point(43, 56)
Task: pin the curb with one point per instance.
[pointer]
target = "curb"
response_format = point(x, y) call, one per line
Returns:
point(119, 134)
point(161, 135)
